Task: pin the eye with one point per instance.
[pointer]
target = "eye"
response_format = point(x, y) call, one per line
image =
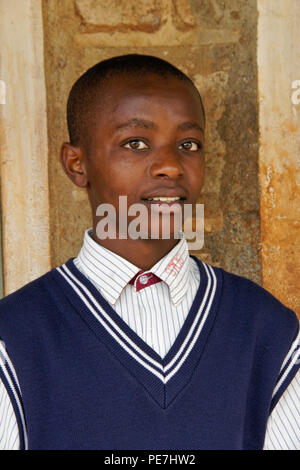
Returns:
point(191, 146)
point(136, 144)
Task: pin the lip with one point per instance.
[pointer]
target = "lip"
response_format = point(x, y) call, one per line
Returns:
point(164, 192)
point(159, 203)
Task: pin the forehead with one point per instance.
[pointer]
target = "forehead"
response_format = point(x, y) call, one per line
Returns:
point(150, 97)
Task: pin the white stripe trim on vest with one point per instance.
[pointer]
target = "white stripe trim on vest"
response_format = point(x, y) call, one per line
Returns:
point(66, 273)
point(293, 361)
point(4, 359)
point(192, 343)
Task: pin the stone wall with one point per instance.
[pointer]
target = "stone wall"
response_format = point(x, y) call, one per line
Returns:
point(214, 42)
point(279, 170)
point(23, 144)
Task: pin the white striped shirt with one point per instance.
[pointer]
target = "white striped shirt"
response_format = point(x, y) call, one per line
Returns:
point(157, 313)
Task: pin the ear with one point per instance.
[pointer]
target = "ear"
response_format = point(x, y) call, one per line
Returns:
point(73, 163)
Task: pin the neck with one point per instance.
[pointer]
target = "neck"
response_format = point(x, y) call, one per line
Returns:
point(142, 253)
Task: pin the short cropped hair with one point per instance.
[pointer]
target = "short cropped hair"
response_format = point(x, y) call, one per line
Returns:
point(81, 100)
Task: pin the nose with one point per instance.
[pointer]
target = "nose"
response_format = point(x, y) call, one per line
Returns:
point(166, 164)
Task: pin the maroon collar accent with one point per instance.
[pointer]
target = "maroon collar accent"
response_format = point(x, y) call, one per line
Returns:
point(144, 280)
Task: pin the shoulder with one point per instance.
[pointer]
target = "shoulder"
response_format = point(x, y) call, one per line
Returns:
point(263, 321)
point(251, 301)
point(30, 292)
point(28, 304)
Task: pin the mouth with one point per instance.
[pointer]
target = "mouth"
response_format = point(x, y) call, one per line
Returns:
point(164, 199)
point(165, 195)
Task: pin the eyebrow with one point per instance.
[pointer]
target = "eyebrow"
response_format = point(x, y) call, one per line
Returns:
point(137, 122)
point(189, 125)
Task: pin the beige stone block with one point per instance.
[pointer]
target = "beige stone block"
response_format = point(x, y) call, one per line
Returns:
point(183, 14)
point(117, 15)
point(119, 24)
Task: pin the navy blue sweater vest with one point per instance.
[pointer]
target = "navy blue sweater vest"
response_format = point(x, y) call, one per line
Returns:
point(87, 381)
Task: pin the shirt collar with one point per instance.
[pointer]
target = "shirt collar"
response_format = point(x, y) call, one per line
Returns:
point(174, 270)
point(111, 273)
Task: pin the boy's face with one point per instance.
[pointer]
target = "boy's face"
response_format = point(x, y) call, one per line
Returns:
point(147, 142)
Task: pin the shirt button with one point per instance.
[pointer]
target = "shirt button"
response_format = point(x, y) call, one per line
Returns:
point(144, 279)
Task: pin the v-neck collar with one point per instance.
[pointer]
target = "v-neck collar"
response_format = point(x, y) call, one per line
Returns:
point(163, 378)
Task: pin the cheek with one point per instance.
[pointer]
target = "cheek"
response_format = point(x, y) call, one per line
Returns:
point(108, 182)
point(196, 178)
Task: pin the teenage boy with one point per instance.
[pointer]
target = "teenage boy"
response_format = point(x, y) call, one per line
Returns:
point(134, 344)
